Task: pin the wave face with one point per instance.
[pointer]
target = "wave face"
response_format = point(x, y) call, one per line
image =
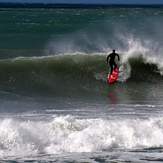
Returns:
point(75, 73)
point(69, 134)
point(51, 74)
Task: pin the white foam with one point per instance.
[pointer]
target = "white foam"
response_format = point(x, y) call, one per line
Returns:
point(69, 134)
point(148, 50)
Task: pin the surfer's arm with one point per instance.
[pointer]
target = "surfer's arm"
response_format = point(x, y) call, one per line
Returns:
point(118, 57)
point(107, 59)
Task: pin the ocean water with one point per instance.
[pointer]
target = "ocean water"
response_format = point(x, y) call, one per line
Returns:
point(55, 104)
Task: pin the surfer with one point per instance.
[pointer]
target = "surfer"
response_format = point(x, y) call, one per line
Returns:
point(111, 60)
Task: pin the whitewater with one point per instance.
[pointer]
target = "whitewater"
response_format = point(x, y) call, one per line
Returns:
point(84, 134)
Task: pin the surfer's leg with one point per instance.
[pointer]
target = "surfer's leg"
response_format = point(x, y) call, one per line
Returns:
point(111, 67)
point(115, 65)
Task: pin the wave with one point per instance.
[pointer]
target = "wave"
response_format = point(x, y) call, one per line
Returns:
point(53, 74)
point(144, 71)
point(69, 134)
point(60, 74)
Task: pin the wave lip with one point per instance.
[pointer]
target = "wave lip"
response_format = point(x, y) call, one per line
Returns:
point(69, 134)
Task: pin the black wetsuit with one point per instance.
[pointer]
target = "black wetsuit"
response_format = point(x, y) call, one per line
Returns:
point(112, 63)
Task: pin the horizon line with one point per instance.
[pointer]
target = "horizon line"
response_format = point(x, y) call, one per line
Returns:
point(74, 5)
point(58, 3)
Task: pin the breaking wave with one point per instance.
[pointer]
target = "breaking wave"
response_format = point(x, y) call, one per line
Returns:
point(70, 71)
point(79, 72)
point(70, 134)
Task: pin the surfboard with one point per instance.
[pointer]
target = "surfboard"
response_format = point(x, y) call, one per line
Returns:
point(112, 78)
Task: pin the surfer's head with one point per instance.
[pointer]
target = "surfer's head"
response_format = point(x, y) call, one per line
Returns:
point(113, 50)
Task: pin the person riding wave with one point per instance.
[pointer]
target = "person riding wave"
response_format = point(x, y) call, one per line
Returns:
point(111, 60)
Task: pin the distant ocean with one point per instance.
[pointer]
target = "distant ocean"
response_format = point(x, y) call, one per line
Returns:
point(55, 104)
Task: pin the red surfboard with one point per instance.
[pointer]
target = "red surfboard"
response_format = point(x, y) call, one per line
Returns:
point(112, 78)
